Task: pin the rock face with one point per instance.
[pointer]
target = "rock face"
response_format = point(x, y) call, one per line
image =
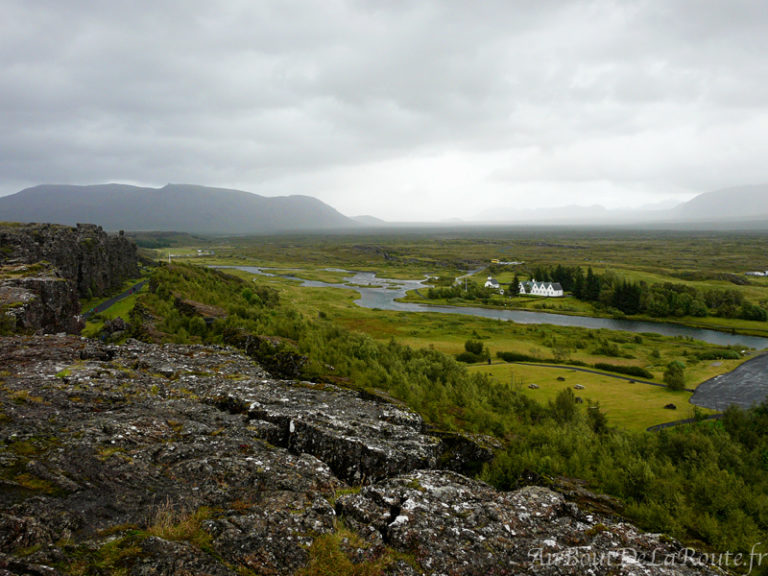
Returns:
point(45, 268)
point(86, 255)
point(35, 297)
point(145, 459)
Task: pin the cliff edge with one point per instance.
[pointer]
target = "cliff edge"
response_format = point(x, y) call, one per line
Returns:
point(46, 268)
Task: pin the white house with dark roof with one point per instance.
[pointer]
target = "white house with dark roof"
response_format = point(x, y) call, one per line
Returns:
point(548, 289)
point(493, 284)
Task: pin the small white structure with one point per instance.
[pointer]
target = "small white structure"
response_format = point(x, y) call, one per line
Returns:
point(547, 289)
point(756, 273)
point(492, 283)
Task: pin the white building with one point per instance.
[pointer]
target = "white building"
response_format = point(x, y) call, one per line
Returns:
point(548, 289)
point(493, 284)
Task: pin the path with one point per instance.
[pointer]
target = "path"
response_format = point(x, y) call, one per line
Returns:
point(107, 303)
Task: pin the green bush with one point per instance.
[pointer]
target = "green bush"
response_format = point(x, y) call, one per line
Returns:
point(516, 357)
point(628, 370)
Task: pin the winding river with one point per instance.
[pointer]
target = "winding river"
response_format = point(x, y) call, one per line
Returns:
point(382, 293)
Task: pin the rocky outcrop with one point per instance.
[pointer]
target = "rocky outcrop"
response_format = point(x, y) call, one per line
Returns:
point(45, 268)
point(86, 255)
point(146, 459)
point(36, 297)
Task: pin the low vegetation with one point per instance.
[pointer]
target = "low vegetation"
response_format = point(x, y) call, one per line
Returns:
point(705, 483)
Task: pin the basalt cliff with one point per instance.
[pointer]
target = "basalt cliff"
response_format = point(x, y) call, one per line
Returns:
point(45, 268)
point(146, 459)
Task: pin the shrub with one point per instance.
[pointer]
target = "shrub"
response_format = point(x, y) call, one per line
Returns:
point(515, 357)
point(674, 375)
point(629, 370)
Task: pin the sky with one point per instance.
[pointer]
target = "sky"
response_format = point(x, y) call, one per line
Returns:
point(416, 110)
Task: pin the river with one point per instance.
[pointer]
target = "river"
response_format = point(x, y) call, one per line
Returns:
point(382, 293)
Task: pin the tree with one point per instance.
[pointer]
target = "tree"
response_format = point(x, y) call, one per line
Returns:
point(564, 406)
point(597, 418)
point(578, 284)
point(474, 347)
point(674, 375)
point(514, 288)
point(592, 286)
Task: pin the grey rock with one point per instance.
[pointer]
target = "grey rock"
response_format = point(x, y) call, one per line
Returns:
point(451, 524)
point(44, 269)
point(221, 469)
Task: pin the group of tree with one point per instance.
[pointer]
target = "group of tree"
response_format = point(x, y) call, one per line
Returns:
point(661, 299)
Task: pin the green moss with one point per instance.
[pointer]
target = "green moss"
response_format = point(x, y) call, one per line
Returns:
point(116, 556)
point(182, 525)
point(34, 483)
point(332, 555)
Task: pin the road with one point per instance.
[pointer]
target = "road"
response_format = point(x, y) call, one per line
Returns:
point(107, 303)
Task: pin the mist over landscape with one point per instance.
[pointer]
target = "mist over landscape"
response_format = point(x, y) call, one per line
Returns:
point(359, 288)
point(199, 209)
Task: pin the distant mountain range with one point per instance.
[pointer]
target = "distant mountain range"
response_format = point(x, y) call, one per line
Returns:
point(741, 203)
point(178, 207)
point(206, 210)
point(745, 206)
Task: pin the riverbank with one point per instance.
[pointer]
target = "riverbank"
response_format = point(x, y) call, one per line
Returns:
point(389, 294)
point(724, 325)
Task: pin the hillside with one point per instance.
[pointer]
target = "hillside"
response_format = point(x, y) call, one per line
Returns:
point(179, 207)
point(742, 203)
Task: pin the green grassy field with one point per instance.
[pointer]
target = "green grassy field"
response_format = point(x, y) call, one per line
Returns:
point(700, 259)
point(634, 406)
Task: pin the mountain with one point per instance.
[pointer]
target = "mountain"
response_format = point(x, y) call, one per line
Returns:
point(743, 207)
point(179, 207)
point(740, 203)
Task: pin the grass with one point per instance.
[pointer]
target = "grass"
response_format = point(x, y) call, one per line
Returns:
point(179, 524)
point(448, 333)
point(95, 323)
point(632, 406)
point(654, 257)
point(333, 555)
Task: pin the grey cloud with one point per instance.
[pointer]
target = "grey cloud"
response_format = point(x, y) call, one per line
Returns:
point(260, 92)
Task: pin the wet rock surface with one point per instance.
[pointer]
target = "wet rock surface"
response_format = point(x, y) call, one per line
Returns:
point(146, 459)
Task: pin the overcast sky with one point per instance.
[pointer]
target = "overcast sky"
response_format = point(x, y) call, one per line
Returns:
point(406, 110)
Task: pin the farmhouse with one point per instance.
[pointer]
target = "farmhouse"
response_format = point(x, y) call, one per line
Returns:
point(493, 284)
point(533, 288)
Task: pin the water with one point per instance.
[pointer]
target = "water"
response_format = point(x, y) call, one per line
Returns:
point(381, 293)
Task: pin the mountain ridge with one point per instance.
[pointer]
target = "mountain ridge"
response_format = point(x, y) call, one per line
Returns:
point(173, 207)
